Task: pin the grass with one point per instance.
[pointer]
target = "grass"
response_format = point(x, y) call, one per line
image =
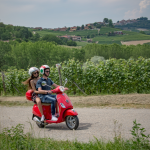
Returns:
point(81, 104)
point(14, 138)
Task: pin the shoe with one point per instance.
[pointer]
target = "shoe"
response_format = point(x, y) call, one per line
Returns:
point(54, 118)
point(57, 115)
point(42, 118)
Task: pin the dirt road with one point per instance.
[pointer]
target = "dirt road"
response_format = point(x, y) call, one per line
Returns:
point(135, 42)
point(103, 121)
point(100, 123)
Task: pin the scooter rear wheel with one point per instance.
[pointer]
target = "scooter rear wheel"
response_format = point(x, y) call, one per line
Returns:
point(72, 122)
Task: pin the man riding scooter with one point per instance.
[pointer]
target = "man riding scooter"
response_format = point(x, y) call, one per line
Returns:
point(47, 98)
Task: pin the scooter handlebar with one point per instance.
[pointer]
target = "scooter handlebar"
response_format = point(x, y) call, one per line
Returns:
point(59, 89)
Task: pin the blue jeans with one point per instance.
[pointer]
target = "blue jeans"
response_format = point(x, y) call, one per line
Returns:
point(50, 99)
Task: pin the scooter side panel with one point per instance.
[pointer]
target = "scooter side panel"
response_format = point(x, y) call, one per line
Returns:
point(46, 111)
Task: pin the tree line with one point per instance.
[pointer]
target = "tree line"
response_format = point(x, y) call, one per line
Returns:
point(26, 54)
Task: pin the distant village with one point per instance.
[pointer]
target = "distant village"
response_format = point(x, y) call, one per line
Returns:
point(87, 26)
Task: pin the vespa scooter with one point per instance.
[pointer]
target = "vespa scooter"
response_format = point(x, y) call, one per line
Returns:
point(66, 111)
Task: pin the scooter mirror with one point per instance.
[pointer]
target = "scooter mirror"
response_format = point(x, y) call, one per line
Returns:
point(43, 83)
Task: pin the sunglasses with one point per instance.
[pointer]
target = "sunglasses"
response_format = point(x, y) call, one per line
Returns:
point(47, 71)
point(36, 72)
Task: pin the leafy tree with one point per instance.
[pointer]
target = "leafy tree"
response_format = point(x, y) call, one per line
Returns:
point(142, 32)
point(18, 40)
point(95, 23)
point(6, 36)
point(1, 24)
point(82, 27)
point(52, 38)
point(71, 43)
point(105, 20)
point(98, 26)
point(90, 27)
point(78, 28)
point(88, 36)
point(5, 48)
point(110, 23)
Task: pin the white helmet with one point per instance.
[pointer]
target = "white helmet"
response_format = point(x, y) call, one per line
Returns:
point(33, 69)
point(43, 67)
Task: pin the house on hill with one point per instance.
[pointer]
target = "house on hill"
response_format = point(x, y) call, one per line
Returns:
point(76, 38)
point(63, 29)
point(73, 28)
point(38, 28)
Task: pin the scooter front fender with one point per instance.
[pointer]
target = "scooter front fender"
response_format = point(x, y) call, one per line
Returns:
point(70, 112)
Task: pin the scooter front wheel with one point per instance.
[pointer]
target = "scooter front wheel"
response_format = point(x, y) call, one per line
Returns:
point(72, 122)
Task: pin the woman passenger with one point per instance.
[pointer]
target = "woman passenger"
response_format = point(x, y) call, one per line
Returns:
point(31, 82)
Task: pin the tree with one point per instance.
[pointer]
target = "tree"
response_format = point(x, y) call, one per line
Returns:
point(110, 23)
point(6, 36)
point(98, 26)
point(90, 27)
point(52, 38)
point(71, 43)
point(82, 27)
point(105, 20)
point(95, 24)
point(78, 28)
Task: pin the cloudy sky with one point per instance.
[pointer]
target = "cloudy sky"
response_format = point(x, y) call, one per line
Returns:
point(60, 13)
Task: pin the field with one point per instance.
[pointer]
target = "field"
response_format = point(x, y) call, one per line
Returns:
point(103, 38)
point(135, 42)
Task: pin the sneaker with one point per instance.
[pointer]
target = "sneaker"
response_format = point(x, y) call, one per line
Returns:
point(54, 118)
point(57, 115)
point(42, 118)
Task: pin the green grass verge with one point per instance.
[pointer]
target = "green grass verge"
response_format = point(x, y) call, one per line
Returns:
point(15, 138)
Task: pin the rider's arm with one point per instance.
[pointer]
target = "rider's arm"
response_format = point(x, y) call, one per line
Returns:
point(34, 89)
point(55, 85)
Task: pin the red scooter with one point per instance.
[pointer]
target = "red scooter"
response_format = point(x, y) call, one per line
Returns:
point(66, 111)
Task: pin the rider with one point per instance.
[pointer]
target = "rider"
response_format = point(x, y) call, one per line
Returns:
point(31, 81)
point(48, 98)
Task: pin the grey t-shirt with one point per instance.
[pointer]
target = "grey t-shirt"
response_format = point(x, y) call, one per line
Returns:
point(39, 84)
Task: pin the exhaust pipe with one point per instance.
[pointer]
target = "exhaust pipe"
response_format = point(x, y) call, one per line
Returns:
point(37, 120)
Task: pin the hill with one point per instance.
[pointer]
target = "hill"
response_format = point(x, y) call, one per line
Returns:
point(10, 32)
point(101, 37)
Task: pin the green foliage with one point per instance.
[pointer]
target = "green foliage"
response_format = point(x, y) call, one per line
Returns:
point(111, 76)
point(52, 38)
point(71, 43)
point(116, 51)
point(105, 20)
point(141, 23)
point(15, 138)
point(140, 140)
point(8, 32)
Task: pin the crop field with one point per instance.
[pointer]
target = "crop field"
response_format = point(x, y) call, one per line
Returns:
point(135, 42)
point(103, 38)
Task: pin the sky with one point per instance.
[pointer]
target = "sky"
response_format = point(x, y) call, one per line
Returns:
point(69, 13)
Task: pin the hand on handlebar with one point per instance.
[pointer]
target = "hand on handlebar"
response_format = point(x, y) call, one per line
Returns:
point(49, 92)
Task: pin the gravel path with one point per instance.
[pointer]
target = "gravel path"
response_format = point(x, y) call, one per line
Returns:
point(100, 123)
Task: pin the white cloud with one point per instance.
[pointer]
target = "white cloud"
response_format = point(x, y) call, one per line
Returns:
point(135, 13)
point(143, 4)
point(101, 2)
point(132, 14)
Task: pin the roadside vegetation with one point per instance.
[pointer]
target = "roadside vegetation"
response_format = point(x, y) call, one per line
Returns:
point(15, 138)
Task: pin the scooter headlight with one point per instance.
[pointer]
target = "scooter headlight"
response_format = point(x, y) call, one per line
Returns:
point(62, 89)
point(62, 105)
